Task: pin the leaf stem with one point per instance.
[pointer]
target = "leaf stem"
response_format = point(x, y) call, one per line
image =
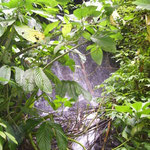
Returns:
point(73, 140)
point(122, 144)
point(32, 142)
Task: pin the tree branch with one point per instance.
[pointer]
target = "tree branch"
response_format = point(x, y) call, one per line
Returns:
point(50, 63)
point(25, 50)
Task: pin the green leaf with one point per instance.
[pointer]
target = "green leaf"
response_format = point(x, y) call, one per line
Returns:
point(12, 138)
point(2, 30)
point(1, 143)
point(137, 106)
point(63, 2)
point(3, 125)
point(144, 4)
point(13, 3)
point(19, 75)
point(73, 89)
point(86, 94)
point(66, 29)
point(61, 138)
point(5, 73)
point(30, 34)
point(42, 81)
point(6, 23)
point(86, 35)
point(30, 124)
point(123, 108)
point(97, 55)
point(44, 136)
point(81, 12)
point(106, 43)
point(50, 27)
point(28, 83)
point(3, 135)
point(137, 128)
point(124, 133)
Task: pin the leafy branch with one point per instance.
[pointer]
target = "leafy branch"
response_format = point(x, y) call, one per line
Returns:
point(57, 58)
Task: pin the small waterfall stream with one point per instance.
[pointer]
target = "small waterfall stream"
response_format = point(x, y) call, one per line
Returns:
point(88, 75)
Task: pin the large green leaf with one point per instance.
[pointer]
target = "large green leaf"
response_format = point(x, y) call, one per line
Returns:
point(30, 34)
point(61, 138)
point(28, 83)
point(44, 136)
point(97, 55)
point(42, 81)
point(19, 75)
point(5, 73)
point(106, 43)
point(144, 4)
point(73, 89)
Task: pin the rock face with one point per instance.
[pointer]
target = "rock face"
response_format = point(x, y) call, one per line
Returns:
point(88, 74)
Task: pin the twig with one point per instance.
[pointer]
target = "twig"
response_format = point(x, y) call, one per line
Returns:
point(50, 63)
point(107, 133)
point(32, 142)
point(92, 119)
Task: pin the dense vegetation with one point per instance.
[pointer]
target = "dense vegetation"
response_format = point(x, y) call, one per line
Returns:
point(36, 33)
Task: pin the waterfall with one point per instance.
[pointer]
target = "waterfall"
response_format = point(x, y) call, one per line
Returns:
point(88, 74)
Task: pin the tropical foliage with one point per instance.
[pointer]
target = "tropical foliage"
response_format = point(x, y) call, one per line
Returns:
point(36, 33)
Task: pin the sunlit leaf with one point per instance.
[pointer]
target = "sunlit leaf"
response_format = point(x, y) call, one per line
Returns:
point(3, 135)
point(6, 23)
point(3, 125)
point(63, 2)
point(30, 34)
point(137, 106)
point(13, 3)
point(12, 138)
point(81, 12)
point(144, 4)
point(123, 108)
point(5, 73)
point(66, 29)
point(2, 30)
point(50, 27)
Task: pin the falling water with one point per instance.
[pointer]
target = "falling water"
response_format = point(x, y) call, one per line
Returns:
point(88, 74)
